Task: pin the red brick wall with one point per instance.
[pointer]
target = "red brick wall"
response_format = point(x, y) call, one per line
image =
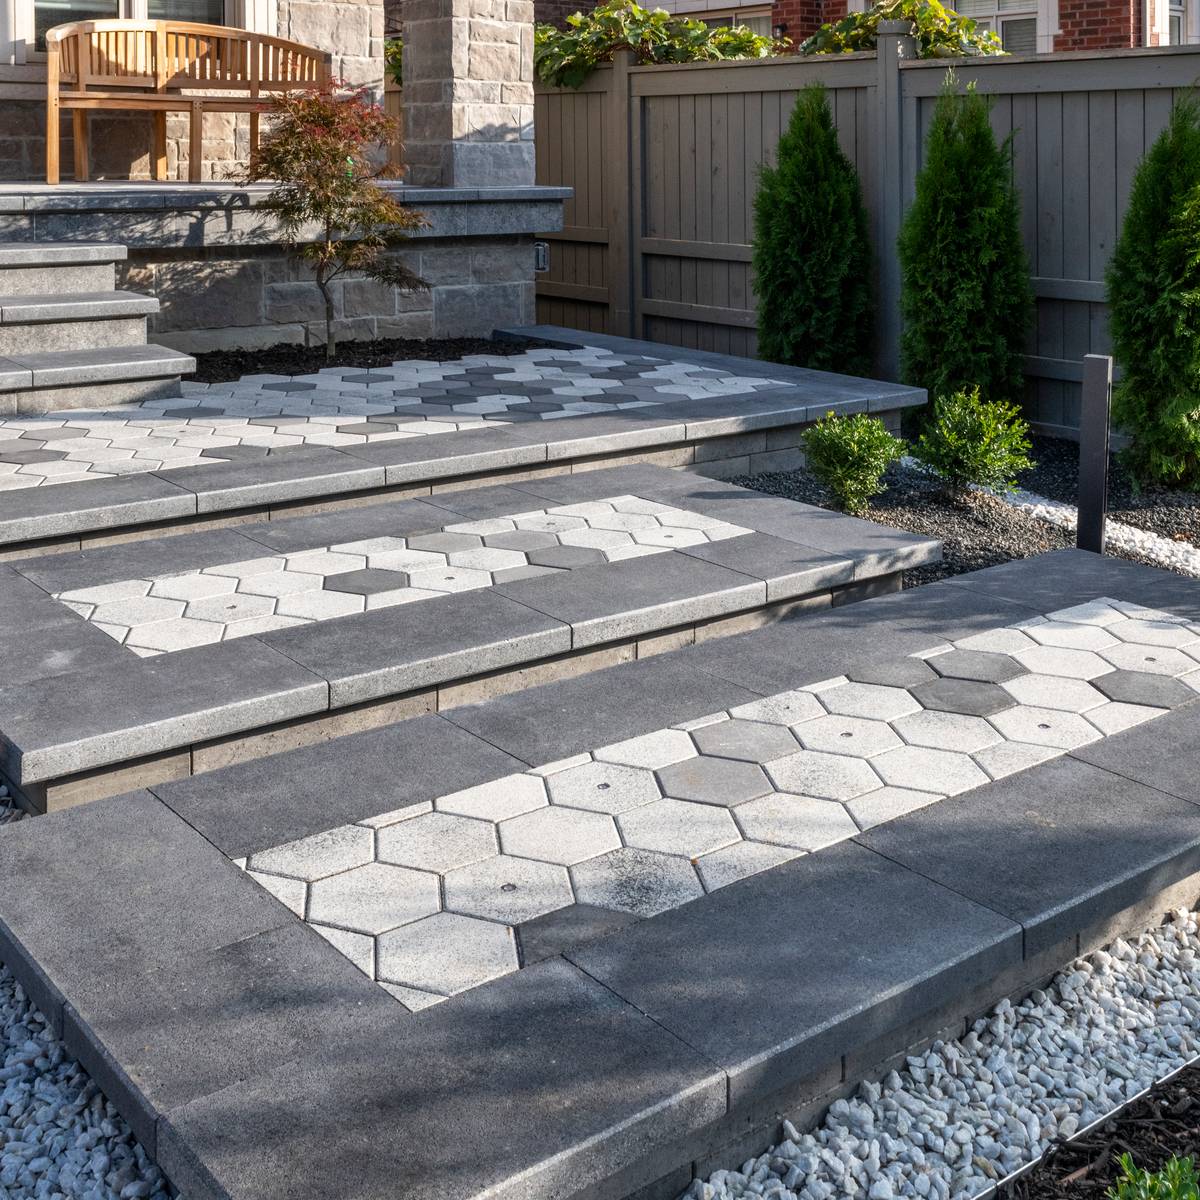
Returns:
point(1099, 24)
point(804, 17)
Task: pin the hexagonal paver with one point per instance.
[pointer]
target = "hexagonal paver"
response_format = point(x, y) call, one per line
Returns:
point(359, 948)
point(182, 633)
point(641, 882)
point(139, 610)
point(739, 861)
point(1114, 716)
point(1092, 612)
point(374, 897)
point(488, 559)
point(106, 593)
point(672, 539)
point(405, 560)
point(829, 776)
point(324, 562)
point(893, 672)
point(320, 605)
point(437, 841)
point(192, 587)
point(787, 708)
point(449, 579)
point(496, 800)
point(917, 766)
point(370, 581)
point(447, 953)
point(603, 787)
point(247, 567)
point(652, 750)
point(566, 558)
point(523, 540)
point(678, 827)
point(625, 522)
point(1045, 727)
point(887, 804)
point(279, 584)
point(1144, 687)
point(870, 700)
point(225, 610)
point(997, 641)
point(291, 892)
point(855, 736)
point(946, 731)
point(559, 835)
point(445, 543)
point(320, 855)
point(801, 822)
point(713, 781)
point(1129, 656)
point(1060, 660)
point(508, 889)
point(1153, 633)
point(964, 696)
point(979, 665)
point(748, 741)
point(1070, 634)
point(1055, 691)
point(541, 522)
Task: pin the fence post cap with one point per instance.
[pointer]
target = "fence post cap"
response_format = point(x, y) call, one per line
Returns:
point(895, 28)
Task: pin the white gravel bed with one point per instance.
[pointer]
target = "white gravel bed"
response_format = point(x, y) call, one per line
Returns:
point(971, 1111)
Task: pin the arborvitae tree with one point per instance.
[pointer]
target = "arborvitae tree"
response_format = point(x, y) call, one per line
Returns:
point(812, 256)
point(966, 299)
point(1154, 293)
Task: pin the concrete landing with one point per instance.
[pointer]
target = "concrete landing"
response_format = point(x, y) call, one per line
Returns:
point(573, 942)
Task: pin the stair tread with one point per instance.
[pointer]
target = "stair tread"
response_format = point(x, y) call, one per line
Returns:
point(41, 306)
point(50, 368)
point(34, 254)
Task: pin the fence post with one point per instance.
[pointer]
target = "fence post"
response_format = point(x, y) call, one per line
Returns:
point(619, 208)
point(1095, 407)
point(894, 43)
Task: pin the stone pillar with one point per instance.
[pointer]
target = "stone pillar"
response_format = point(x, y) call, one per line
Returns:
point(352, 30)
point(468, 92)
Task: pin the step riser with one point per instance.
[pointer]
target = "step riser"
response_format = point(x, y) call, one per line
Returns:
point(89, 334)
point(253, 743)
point(87, 395)
point(53, 280)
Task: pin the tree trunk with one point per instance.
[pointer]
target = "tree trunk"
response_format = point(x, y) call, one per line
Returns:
point(330, 336)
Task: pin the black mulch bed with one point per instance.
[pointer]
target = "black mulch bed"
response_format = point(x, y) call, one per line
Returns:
point(981, 533)
point(1166, 1122)
point(224, 366)
point(1168, 513)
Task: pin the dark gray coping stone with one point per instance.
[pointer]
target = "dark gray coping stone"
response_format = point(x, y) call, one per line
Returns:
point(465, 1101)
point(1058, 848)
point(846, 946)
point(26, 609)
point(413, 646)
point(70, 723)
point(266, 802)
point(559, 719)
point(1162, 754)
point(300, 473)
point(14, 378)
point(496, 500)
point(388, 518)
point(445, 455)
point(608, 601)
point(555, 932)
point(75, 306)
point(63, 368)
point(788, 569)
point(78, 646)
point(66, 508)
point(1066, 577)
point(45, 254)
point(145, 559)
point(602, 433)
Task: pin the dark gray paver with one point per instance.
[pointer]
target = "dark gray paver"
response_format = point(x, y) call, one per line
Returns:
point(716, 780)
point(393, 650)
point(463, 1101)
point(65, 508)
point(59, 650)
point(846, 946)
point(369, 581)
point(977, 665)
point(1056, 848)
point(561, 719)
point(26, 609)
point(268, 801)
point(562, 558)
point(787, 568)
point(1141, 687)
point(636, 596)
point(390, 518)
point(556, 932)
point(462, 453)
point(1163, 753)
point(963, 696)
point(750, 741)
point(68, 723)
point(897, 672)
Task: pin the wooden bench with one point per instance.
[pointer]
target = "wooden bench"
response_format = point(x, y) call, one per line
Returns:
point(167, 66)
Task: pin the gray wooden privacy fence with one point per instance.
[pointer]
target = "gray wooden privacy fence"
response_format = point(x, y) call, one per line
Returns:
point(664, 162)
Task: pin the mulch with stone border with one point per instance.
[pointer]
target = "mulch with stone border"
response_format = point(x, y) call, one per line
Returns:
point(226, 366)
point(979, 532)
point(1164, 1123)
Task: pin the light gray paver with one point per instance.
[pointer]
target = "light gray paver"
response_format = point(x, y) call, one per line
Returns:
point(373, 898)
point(1053, 691)
point(946, 731)
point(651, 750)
point(739, 861)
point(603, 787)
point(680, 827)
point(641, 882)
point(498, 800)
point(853, 736)
point(507, 889)
point(802, 822)
point(888, 803)
point(829, 776)
point(446, 953)
point(565, 836)
point(436, 842)
point(788, 708)
point(1057, 660)
point(1045, 727)
point(915, 766)
point(869, 700)
point(1155, 660)
point(320, 855)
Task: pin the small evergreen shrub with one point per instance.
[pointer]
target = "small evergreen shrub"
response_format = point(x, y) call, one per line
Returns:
point(972, 441)
point(812, 253)
point(566, 57)
point(1154, 293)
point(966, 300)
point(939, 31)
point(849, 456)
point(1176, 1181)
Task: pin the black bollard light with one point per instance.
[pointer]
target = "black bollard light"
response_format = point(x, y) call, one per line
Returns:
point(1094, 418)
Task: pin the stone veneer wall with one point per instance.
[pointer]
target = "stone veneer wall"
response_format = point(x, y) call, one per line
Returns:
point(353, 30)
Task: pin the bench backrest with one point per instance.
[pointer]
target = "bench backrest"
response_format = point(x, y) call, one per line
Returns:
point(165, 56)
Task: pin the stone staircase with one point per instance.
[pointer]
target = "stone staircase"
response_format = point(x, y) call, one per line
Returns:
point(69, 339)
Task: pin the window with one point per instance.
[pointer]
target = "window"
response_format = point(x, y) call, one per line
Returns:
point(1015, 22)
point(205, 12)
point(1177, 22)
point(48, 13)
point(756, 21)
